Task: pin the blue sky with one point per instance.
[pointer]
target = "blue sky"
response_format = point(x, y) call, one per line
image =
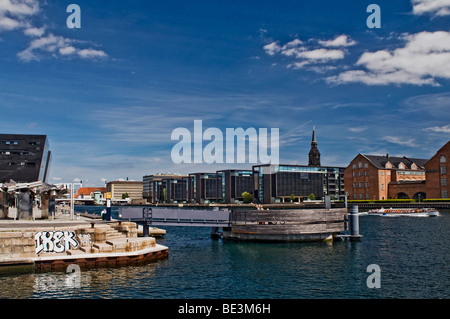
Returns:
point(109, 94)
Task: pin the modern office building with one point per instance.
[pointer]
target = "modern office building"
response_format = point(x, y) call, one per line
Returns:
point(232, 183)
point(24, 158)
point(165, 188)
point(204, 187)
point(281, 183)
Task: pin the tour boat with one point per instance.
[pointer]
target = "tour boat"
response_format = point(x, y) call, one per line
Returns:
point(419, 212)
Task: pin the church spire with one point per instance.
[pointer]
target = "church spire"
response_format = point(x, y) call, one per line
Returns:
point(314, 154)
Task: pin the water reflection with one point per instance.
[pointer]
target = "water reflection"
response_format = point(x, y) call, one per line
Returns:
point(412, 253)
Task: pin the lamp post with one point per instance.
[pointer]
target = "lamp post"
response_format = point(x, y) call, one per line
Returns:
point(72, 195)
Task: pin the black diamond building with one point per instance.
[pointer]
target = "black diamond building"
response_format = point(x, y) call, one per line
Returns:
point(24, 158)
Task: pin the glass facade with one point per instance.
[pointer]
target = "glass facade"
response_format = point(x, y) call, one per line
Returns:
point(24, 158)
point(278, 183)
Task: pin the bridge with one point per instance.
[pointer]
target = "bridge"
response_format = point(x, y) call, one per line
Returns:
point(158, 216)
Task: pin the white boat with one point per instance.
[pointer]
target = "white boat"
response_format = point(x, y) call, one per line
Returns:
point(418, 212)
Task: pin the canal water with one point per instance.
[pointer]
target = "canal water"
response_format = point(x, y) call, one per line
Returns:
point(412, 254)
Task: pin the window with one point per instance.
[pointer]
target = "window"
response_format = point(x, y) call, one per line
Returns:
point(359, 173)
point(389, 173)
point(443, 182)
point(360, 185)
point(444, 194)
point(367, 184)
point(360, 196)
point(367, 196)
point(388, 165)
point(366, 165)
point(354, 166)
point(354, 174)
point(443, 159)
point(359, 165)
point(355, 196)
point(354, 185)
point(382, 187)
point(366, 173)
point(443, 169)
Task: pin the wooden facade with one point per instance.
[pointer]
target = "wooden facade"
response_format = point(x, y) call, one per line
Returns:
point(286, 225)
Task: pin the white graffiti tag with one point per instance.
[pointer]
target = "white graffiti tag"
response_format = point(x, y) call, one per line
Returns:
point(55, 241)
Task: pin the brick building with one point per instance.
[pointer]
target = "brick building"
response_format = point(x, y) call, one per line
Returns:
point(437, 173)
point(379, 177)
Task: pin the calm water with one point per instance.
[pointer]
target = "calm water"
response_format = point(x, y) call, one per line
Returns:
point(412, 252)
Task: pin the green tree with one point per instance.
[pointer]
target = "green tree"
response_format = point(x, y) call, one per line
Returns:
point(311, 196)
point(125, 196)
point(247, 197)
point(292, 198)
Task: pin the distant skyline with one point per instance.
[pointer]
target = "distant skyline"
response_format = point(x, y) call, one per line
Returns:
point(109, 94)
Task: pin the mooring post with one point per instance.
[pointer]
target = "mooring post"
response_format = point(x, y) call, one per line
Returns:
point(353, 219)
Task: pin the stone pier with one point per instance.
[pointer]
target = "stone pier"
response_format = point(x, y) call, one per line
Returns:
point(54, 247)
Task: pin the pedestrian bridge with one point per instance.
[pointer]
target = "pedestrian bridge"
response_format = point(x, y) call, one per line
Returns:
point(159, 216)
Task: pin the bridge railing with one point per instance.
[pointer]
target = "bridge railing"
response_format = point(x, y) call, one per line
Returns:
point(159, 216)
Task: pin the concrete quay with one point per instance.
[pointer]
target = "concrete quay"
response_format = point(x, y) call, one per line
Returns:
point(45, 245)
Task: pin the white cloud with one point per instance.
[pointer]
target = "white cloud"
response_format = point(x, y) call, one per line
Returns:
point(34, 32)
point(91, 53)
point(439, 129)
point(434, 7)
point(19, 14)
point(424, 58)
point(309, 53)
point(57, 46)
point(401, 141)
point(272, 48)
point(13, 14)
point(340, 41)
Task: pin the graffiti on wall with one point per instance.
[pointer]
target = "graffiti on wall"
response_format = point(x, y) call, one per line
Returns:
point(55, 241)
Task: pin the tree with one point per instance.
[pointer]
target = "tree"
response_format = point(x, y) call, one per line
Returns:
point(125, 196)
point(311, 196)
point(247, 197)
point(292, 198)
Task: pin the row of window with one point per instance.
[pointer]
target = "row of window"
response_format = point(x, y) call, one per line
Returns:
point(17, 143)
point(361, 196)
point(17, 153)
point(30, 164)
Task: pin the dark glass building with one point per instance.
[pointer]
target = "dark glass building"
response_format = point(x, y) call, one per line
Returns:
point(204, 187)
point(165, 188)
point(24, 158)
point(233, 183)
point(279, 183)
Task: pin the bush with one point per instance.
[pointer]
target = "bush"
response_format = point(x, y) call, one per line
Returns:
point(247, 197)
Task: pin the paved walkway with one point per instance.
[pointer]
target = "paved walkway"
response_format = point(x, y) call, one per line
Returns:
point(60, 220)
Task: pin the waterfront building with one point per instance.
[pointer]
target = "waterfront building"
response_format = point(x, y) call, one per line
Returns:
point(232, 183)
point(204, 187)
point(437, 173)
point(165, 188)
point(283, 183)
point(24, 158)
point(119, 188)
point(96, 194)
point(382, 177)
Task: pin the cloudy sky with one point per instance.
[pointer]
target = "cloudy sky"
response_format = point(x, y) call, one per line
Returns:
point(109, 94)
